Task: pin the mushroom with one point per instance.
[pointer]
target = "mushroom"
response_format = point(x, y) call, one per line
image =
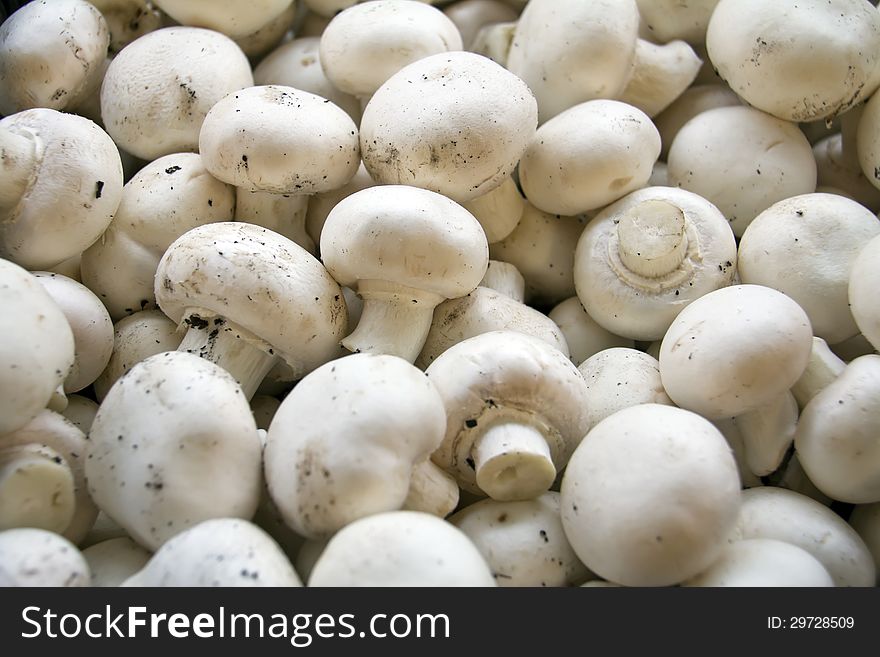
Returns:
point(741, 160)
point(791, 476)
point(404, 250)
point(256, 44)
point(279, 139)
point(660, 74)
point(498, 210)
point(523, 542)
point(865, 519)
point(366, 44)
point(127, 20)
point(250, 298)
point(470, 16)
point(61, 183)
point(174, 443)
point(618, 378)
point(320, 205)
point(495, 41)
point(80, 412)
point(805, 247)
point(783, 515)
point(345, 440)
point(226, 552)
point(135, 338)
point(284, 214)
point(650, 496)
point(505, 278)
point(159, 88)
point(328, 8)
point(431, 490)
point(36, 557)
point(91, 326)
point(113, 561)
point(767, 432)
point(50, 53)
point(823, 367)
point(572, 51)
point(667, 20)
point(734, 438)
point(643, 259)
point(400, 548)
point(767, 341)
point(428, 125)
point(763, 562)
point(767, 52)
point(230, 17)
point(162, 201)
point(479, 312)
point(589, 156)
point(837, 162)
point(692, 102)
point(516, 408)
point(864, 281)
point(37, 350)
point(583, 335)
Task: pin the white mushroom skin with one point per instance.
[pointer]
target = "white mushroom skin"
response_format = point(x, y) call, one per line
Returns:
point(695, 100)
point(470, 16)
point(345, 440)
point(864, 282)
point(583, 335)
point(230, 17)
point(113, 561)
point(220, 552)
point(174, 443)
point(505, 278)
point(498, 210)
point(523, 542)
point(36, 488)
point(127, 20)
point(401, 548)
point(666, 20)
point(660, 74)
point(35, 557)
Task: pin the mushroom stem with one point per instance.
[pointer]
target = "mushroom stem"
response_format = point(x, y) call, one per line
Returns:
point(431, 490)
point(395, 320)
point(513, 462)
point(767, 433)
point(652, 238)
point(36, 488)
point(283, 213)
point(247, 358)
point(822, 369)
point(17, 163)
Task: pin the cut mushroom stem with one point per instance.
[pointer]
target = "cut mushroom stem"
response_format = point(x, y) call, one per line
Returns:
point(16, 166)
point(513, 462)
point(652, 238)
point(245, 356)
point(36, 488)
point(822, 369)
point(395, 319)
point(431, 490)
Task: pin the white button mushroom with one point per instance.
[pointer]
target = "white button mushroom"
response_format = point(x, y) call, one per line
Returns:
point(35, 557)
point(643, 259)
point(470, 16)
point(61, 184)
point(661, 73)
point(50, 52)
point(455, 123)
point(505, 278)
point(256, 44)
point(864, 282)
point(734, 349)
point(823, 367)
point(159, 88)
point(650, 496)
point(345, 440)
point(231, 17)
point(250, 298)
point(401, 548)
point(767, 432)
point(404, 250)
point(516, 408)
point(695, 100)
point(113, 561)
point(523, 542)
point(805, 247)
point(672, 19)
point(583, 335)
point(220, 552)
point(36, 488)
point(174, 443)
point(81, 412)
point(127, 20)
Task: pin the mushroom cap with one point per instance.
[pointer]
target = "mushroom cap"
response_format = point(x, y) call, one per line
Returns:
point(733, 349)
point(588, 156)
point(667, 20)
point(783, 515)
point(805, 247)
point(642, 308)
point(650, 496)
point(73, 194)
point(401, 548)
point(864, 281)
point(799, 60)
point(345, 440)
point(470, 16)
point(219, 552)
point(366, 44)
point(405, 235)
point(80, 411)
point(695, 100)
point(259, 280)
point(523, 542)
point(279, 139)
point(455, 123)
point(868, 141)
point(42, 66)
point(174, 443)
point(718, 153)
point(127, 20)
point(231, 17)
point(113, 561)
point(583, 335)
point(836, 436)
point(37, 349)
point(763, 562)
point(502, 376)
point(35, 557)
point(159, 88)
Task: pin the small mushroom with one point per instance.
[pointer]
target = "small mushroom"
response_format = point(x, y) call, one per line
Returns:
point(404, 250)
point(495, 41)
point(660, 74)
point(113, 561)
point(650, 496)
point(81, 412)
point(232, 18)
point(864, 281)
point(692, 102)
point(400, 548)
point(583, 335)
point(227, 552)
point(516, 408)
point(36, 558)
point(505, 278)
point(643, 259)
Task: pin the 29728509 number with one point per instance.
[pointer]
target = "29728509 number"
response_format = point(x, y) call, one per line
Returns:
point(811, 623)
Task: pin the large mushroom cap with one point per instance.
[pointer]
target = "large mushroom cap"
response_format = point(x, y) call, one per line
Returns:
point(231, 17)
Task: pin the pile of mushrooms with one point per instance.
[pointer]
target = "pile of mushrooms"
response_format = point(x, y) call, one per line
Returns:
point(440, 293)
